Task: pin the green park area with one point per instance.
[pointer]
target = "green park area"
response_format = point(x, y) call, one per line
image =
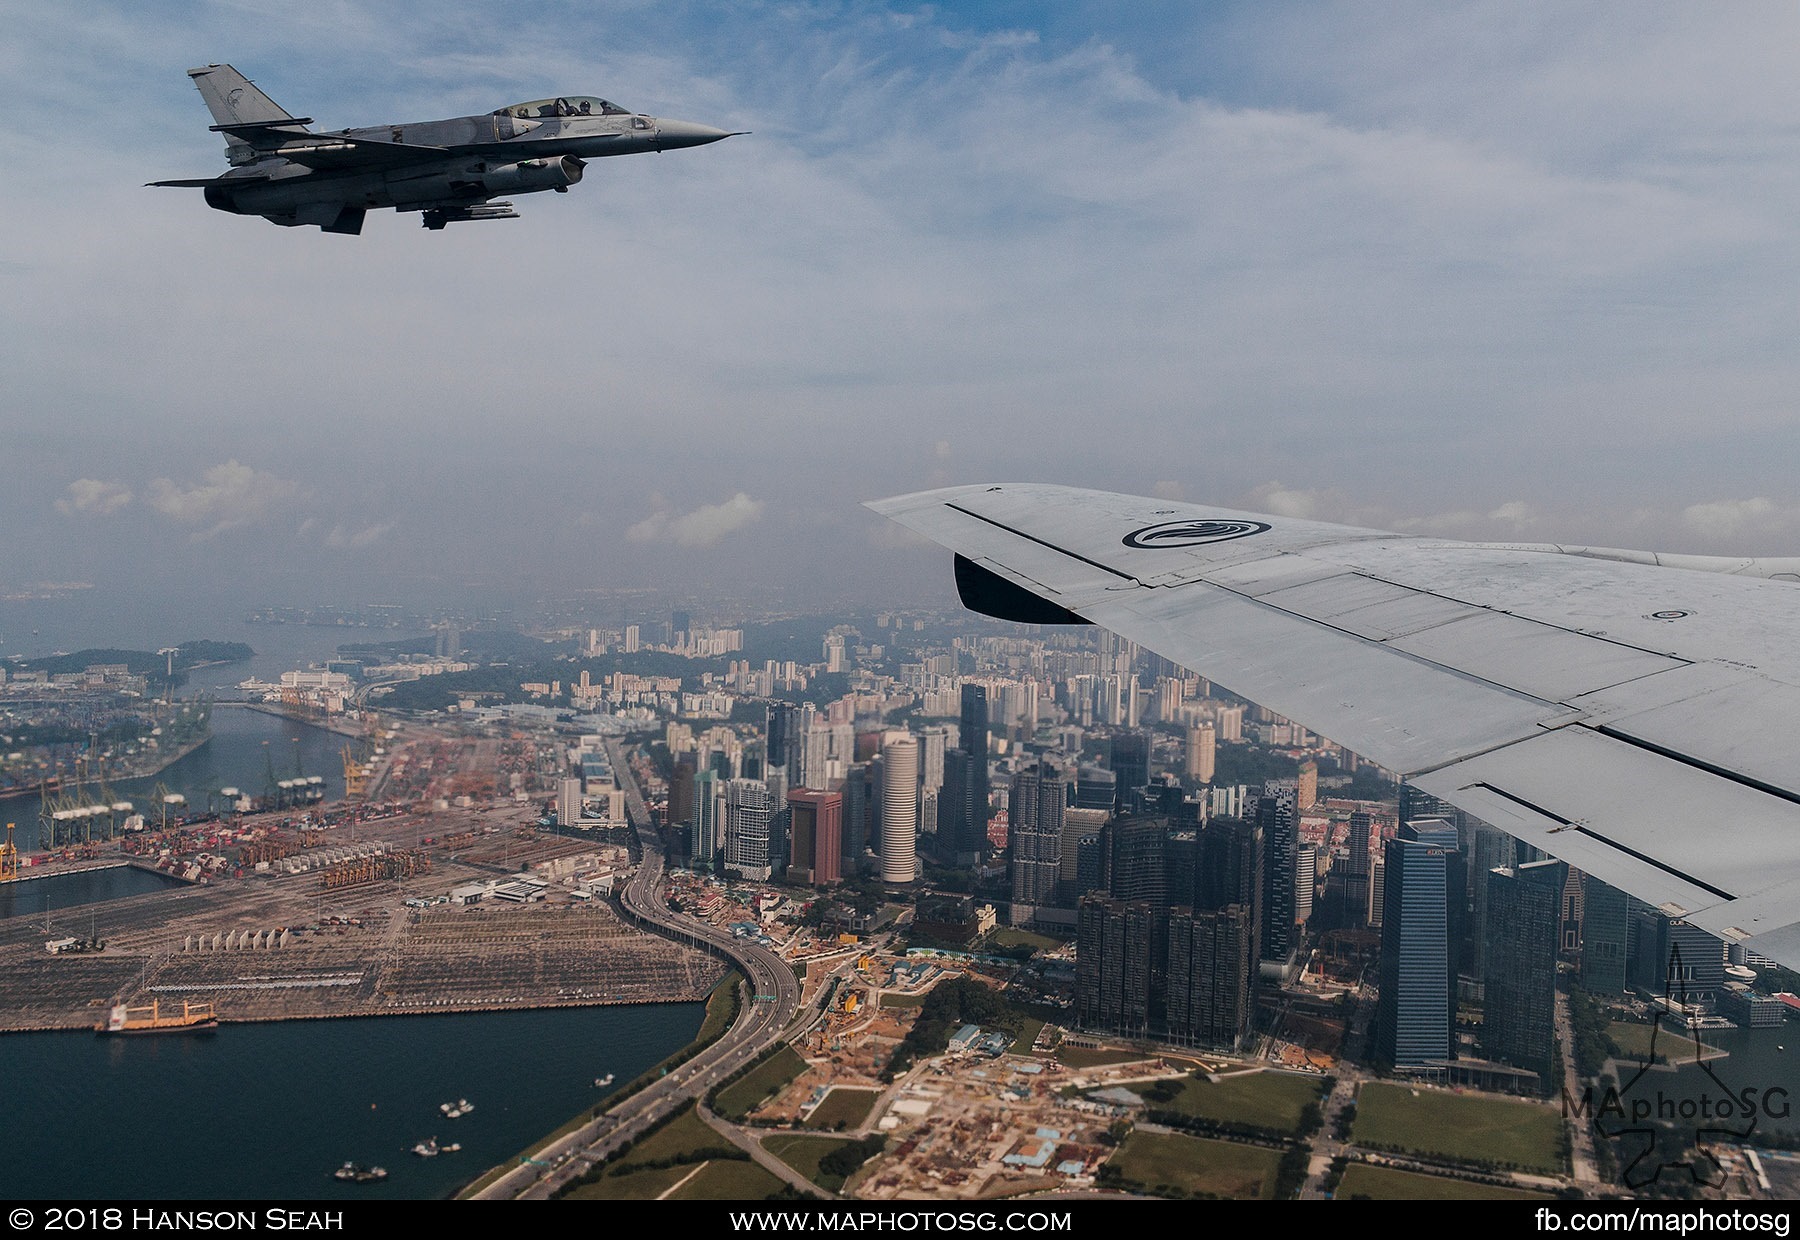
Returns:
point(1274, 1101)
point(743, 1096)
point(1643, 1043)
point(1465, 1128)
point(1006, 936)
point(1391, 1184)
point(826, 1161)
point(658, 1162)
point(1172, 1165)
point(843, 1108)
point(728, 1181)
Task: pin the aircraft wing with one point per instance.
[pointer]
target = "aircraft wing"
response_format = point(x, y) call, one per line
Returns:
point(330, 152)
point(1630, 719)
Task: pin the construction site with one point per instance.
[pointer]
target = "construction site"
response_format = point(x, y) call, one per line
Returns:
point(431, 888)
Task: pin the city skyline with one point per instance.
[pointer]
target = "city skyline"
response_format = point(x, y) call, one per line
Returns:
point(1315, 267)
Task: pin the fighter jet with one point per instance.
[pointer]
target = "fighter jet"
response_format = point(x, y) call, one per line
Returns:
point(447, 170)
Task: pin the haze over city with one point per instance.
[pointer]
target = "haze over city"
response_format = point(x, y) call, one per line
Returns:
point(1507, 271)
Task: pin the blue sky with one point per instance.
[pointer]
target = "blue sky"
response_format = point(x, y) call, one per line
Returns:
point(1484, 270)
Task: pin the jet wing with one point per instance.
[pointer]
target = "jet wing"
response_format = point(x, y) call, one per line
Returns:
point(1630, 719)
point(330, 152)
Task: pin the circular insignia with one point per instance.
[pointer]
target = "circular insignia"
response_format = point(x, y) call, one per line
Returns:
point(1192, 533)
point(1669, 615)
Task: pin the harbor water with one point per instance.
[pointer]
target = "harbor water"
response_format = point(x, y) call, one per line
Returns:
point(270, 1111)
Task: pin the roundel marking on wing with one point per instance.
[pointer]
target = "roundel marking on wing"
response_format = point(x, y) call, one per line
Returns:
point(1193, 533)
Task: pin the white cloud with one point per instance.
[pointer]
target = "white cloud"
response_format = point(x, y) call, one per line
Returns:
point(92, 497)
point(344, 537)
point(228, 495)
point(703, 527)
point(1723, 518)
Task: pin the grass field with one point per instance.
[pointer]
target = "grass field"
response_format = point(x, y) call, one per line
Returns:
point(1672, 1045)
point(635, 1180)
point(1081, 1057)
point(685, 1132)
point(1006, 936)
point(1162, 1161)
point(848, 1107)
point(728, 1181)
point(803, 1154)
point(902, 1001)
point(1389, 1184)
point(1271, 1100)
point(742, 1097)
point(1459, 1126)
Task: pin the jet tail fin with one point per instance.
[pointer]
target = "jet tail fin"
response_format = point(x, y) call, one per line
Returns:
point(236, 105)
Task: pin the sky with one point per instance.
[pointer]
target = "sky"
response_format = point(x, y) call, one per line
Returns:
point(1509, 270)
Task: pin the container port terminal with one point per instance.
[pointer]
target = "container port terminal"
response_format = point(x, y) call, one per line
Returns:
point(440, 887)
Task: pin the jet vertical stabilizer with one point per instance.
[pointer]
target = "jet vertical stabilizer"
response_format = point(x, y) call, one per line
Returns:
point(235, 102)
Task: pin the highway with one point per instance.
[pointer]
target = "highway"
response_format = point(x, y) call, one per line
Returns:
point(772, 1002)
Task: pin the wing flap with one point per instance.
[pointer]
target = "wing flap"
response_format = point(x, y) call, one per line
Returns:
point(1645, 824)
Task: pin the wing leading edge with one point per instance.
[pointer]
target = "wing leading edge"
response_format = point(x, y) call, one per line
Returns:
point(1627, 718)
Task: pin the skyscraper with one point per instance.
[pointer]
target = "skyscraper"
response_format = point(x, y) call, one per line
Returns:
point(815, 827)
point(1276, 815)
point(1130, 766)
point(1605, 937)
point(703, 845)
point(781, 733)
point(1040, 797)
point(1112, 965)
point(899, 808)
point(747, 813)
point(1414, 1015)
point(1519, 1008)
point(973, 741)
point(1211, 976)
point(1357, 865)
point(1202, 751)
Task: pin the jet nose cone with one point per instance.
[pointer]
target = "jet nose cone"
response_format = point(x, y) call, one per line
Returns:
point(673, 135)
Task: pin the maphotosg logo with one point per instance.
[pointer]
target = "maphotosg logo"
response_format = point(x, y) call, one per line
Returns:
point(1666, 1127)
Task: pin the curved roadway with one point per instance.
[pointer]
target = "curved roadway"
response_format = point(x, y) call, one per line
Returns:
point(774, 998)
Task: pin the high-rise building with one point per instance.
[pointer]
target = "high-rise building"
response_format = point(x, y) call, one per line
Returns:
point(1415, 1011)
point(899, 808)
point(1038, 805)
point(1491, 849)
point(1202, 753)
point(1096, 788)
point(1306, 787)
point(681, 791)
point(815, 827)
point(1113, 948)
point(972, 739)
point(1136, 858)
point(1130, 766)
point(1605, 937)
point(1306, 870)
point(703, 844)
point(1357, 870)
point(1519, 1006)
point(1276, 815)
point(747, 813)
point(1211, 976)
point(860, 818)
point(781, 734)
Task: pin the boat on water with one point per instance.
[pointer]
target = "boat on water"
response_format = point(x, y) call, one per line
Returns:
point(601, 1082)
point(194, 1018)
point(357, 1173)
point(451, 1148)
point(428, 1148)
point(457, 1109)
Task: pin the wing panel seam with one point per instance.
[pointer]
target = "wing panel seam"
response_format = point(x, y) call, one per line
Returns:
point(1592, 834)
point(1073, 555)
